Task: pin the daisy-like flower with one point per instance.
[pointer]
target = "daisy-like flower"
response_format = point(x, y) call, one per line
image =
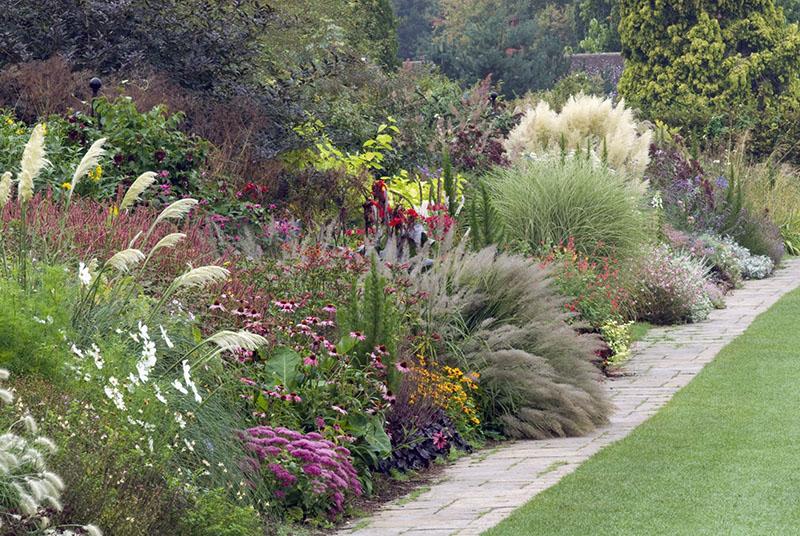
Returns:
point(402, 366)
point(439, 440)
point(311, 360)
point(357, 335)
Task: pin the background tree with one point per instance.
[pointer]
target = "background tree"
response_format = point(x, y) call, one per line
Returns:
point(415, 20)
point(714, 66)
point(521, 43)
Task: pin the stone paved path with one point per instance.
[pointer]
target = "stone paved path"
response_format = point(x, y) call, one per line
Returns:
point(479, 491)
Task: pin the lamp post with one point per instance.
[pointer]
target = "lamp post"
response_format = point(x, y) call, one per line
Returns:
point(95, 84)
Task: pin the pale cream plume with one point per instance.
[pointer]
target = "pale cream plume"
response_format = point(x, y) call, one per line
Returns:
point(141, 184)
point(88, 162)
point(33, 161)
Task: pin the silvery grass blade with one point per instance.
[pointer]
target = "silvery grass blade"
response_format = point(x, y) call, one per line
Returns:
point(175, 211)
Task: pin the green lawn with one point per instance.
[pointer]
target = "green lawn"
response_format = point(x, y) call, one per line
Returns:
point(722, 458)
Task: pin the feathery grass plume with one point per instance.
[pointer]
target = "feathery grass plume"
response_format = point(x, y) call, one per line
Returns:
point(5, 188)
point(88, 162)
point(498, 315)
point(202, 276)
point(610, 133)
point(169, 241)
point(176, 210)
point(126, 259)
point(142, 183)
point(33, 161)
point(236, 340)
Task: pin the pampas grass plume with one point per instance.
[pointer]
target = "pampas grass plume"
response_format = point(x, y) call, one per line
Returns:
point(202, 276)
point(33, 161)
point(142, 183)
point(176, 210)
point(237, 340)
point(5, 188)
point(88, 162)
point(169, 241)
point(124, 260)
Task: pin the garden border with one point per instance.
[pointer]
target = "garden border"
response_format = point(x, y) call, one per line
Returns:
point(477, 492)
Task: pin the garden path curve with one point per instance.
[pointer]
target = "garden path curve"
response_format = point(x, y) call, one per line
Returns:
point(479, 491)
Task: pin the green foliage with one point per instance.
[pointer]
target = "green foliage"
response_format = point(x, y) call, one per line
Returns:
point(136, 141)
point(214, 514)
point(598, 22)
point(375, 315)
point(485, 226)
point(618, 337)
point(414, 25)
point(543, 203)
point(516, 42)
point(713, 67)
point(31, 324)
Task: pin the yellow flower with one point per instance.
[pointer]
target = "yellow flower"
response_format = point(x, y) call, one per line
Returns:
point(44, 129)
point(20, 131)
point(96, 173)
point(9, 121)
point(114, 211)
point(66, 186)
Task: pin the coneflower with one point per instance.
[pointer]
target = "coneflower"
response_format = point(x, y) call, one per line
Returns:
point(202, 276)
point(126, 259)
point(141, 184)
point(88, 162)
point(33, 161)
point(5, 188)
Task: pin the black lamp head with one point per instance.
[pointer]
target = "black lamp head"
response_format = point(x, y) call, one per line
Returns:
point(95, 84)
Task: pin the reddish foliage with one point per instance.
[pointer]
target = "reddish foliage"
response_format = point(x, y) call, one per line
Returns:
point(89, 231)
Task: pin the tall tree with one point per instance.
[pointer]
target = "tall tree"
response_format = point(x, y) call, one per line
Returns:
point(692, 62)
point(519, 42)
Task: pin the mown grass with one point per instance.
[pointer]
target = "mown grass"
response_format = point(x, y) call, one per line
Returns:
point(723, 457)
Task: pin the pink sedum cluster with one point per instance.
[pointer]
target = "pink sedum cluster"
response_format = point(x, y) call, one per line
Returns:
point(303, 465)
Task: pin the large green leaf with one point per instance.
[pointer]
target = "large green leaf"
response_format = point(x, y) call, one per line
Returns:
point(282, 367)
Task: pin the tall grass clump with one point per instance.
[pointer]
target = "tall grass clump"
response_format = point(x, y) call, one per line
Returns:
point(498, 314)
point(543, 203)
point(586, 124)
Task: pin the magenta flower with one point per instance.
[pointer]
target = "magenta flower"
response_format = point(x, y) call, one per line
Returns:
point(402, 366)
point(439, 440)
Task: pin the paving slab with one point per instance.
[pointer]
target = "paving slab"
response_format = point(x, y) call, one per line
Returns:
point(479, 491)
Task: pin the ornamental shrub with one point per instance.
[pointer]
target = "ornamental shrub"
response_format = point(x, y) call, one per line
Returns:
point(671, 288)
point(717, 253)
point(542, 203)
point(707, 64)
point(751, 266)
